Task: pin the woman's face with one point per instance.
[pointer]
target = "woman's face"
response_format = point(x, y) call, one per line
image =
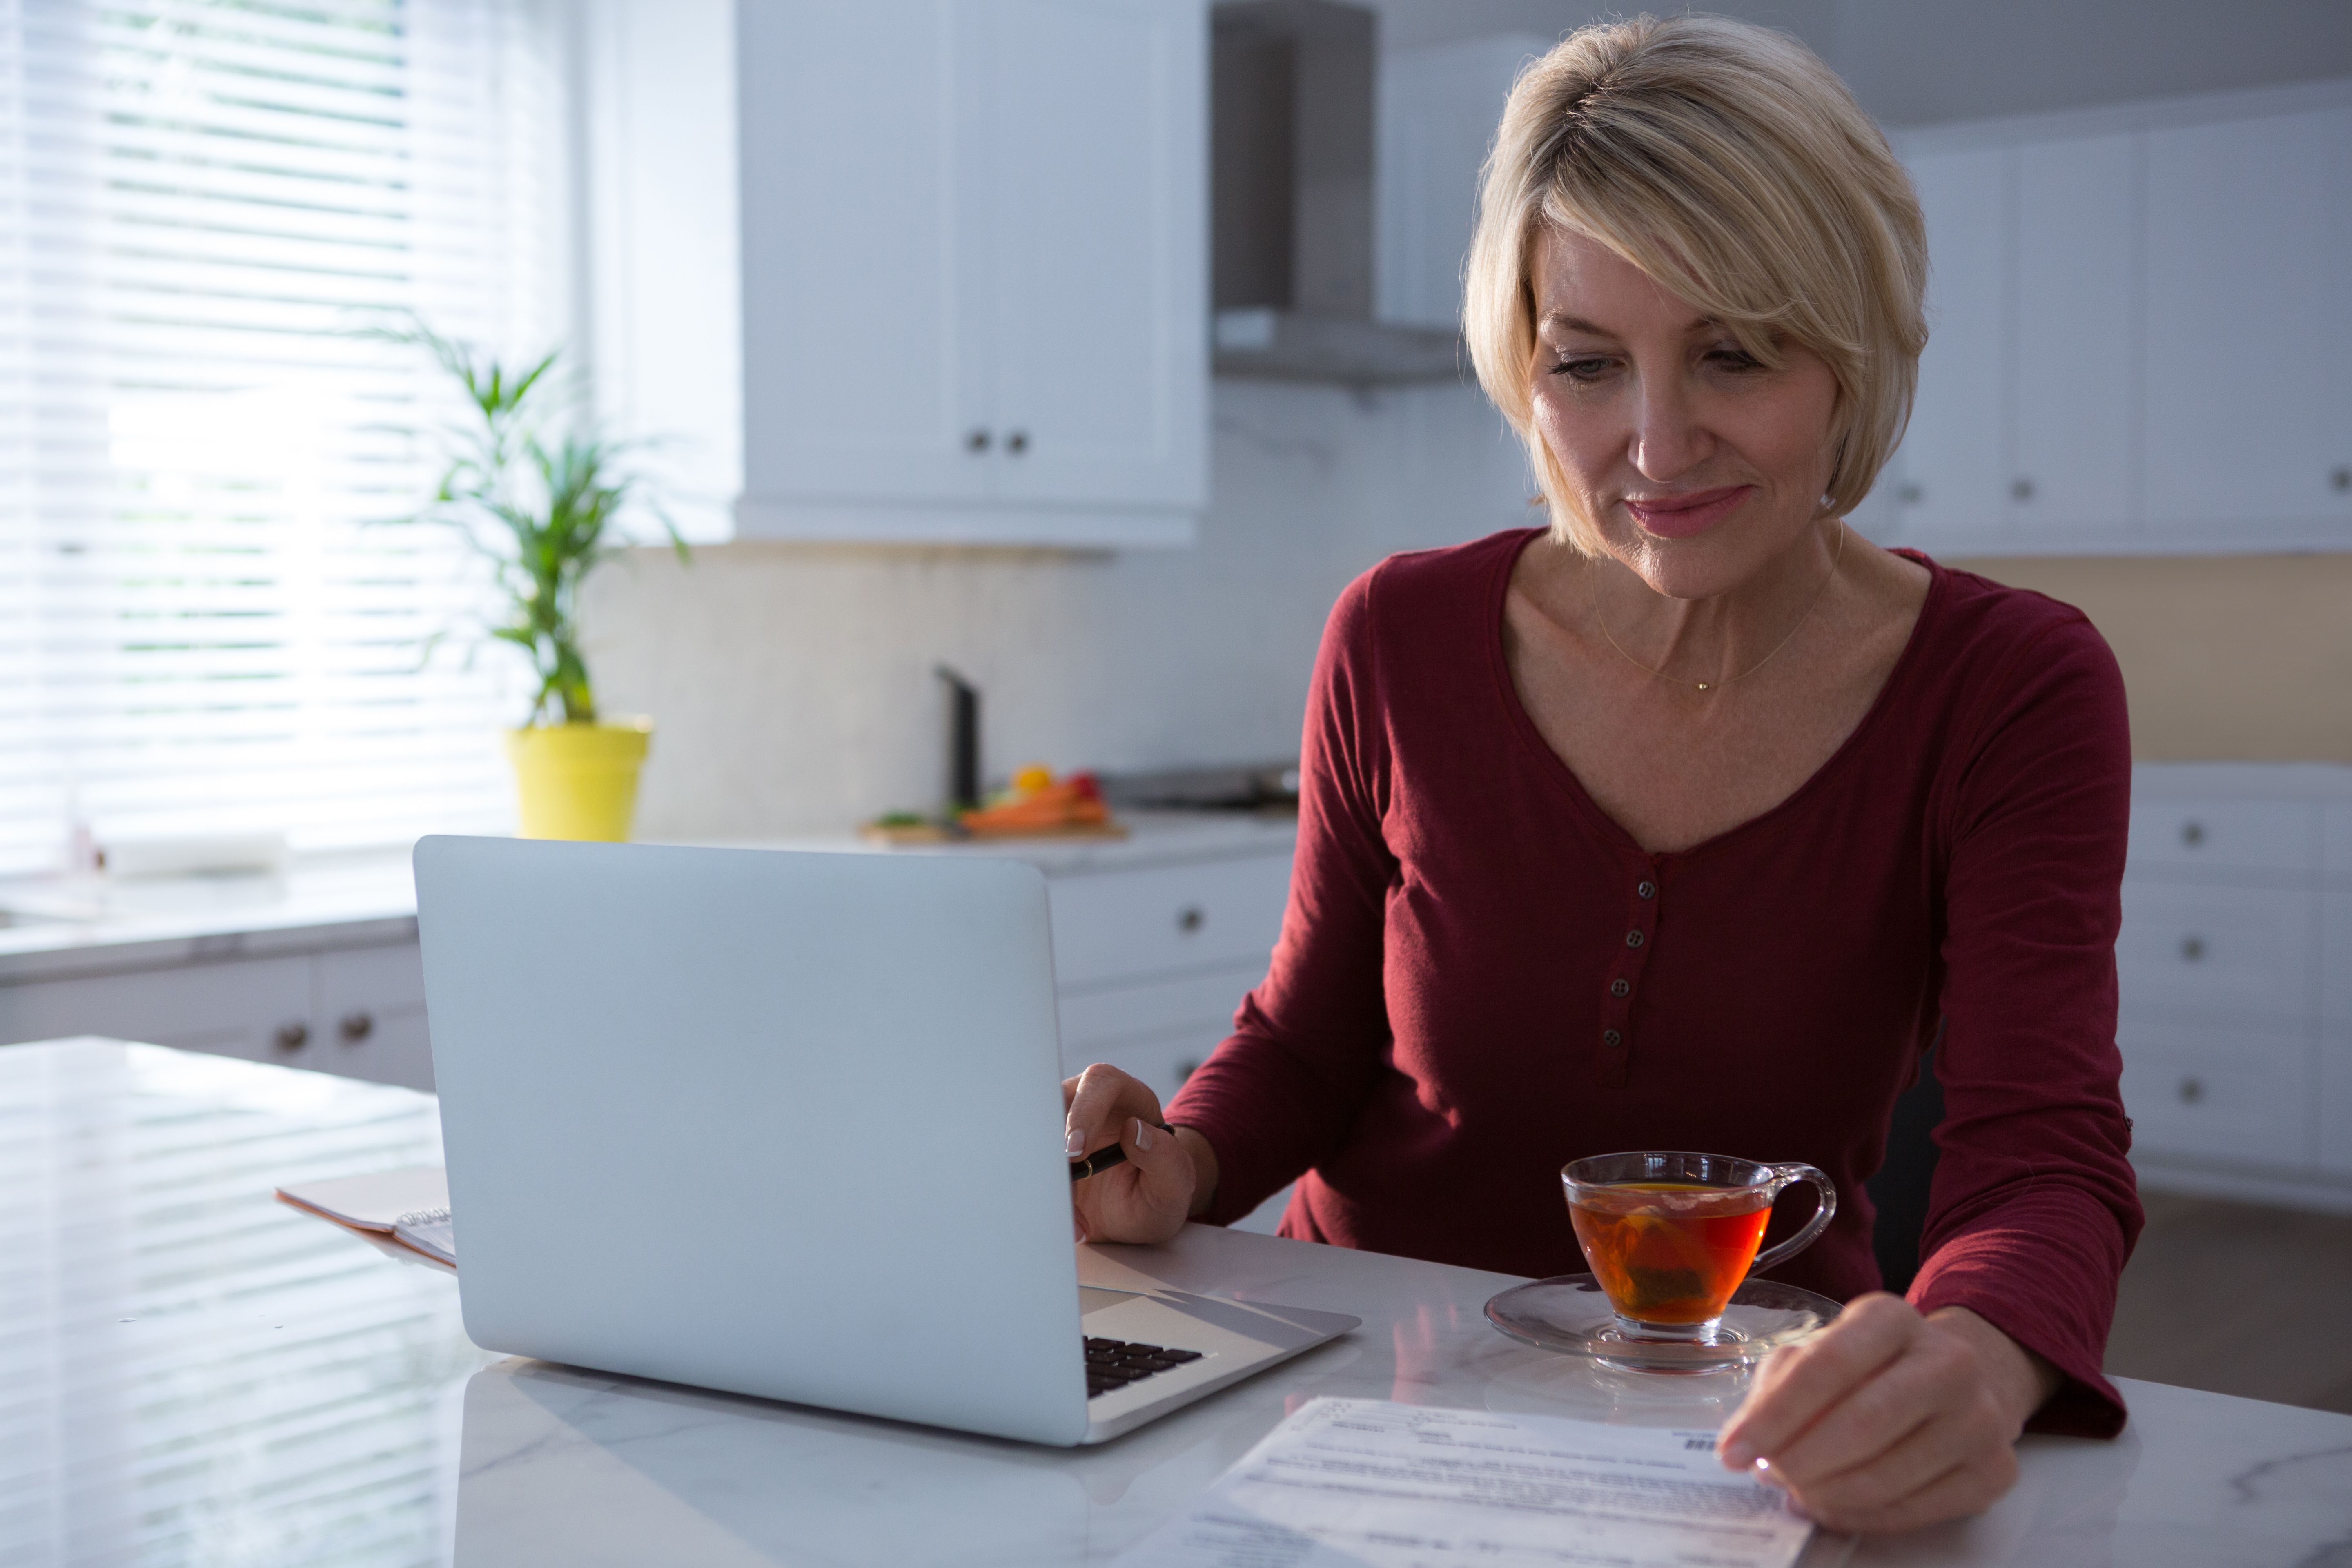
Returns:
point(1700, 466)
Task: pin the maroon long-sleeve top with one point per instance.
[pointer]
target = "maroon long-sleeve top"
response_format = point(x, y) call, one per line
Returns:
point(1481, 975)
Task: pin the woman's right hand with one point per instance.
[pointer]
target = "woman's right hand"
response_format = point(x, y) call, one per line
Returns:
point(1160, 1186)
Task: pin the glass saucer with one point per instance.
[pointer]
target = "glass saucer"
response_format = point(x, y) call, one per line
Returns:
point(1569, 1313)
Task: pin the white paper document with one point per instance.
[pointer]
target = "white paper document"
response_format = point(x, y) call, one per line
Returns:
point(1363, 1483)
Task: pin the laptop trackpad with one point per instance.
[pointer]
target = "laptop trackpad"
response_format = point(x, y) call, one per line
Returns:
point(1093, 1298)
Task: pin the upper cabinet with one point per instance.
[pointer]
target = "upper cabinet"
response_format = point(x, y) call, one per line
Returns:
point(2248, 325)
point(1954, 457)
point(2137, 319)
point(974, 290)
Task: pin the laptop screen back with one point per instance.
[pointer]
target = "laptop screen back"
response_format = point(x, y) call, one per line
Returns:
point(783, 1124)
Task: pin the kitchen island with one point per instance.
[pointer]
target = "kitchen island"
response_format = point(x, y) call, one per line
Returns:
point(195, 1373)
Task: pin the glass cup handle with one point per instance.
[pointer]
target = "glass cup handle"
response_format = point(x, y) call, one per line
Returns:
point(1787, 1176)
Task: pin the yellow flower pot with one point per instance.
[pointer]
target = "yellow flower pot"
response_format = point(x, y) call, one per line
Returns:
point(579, 781)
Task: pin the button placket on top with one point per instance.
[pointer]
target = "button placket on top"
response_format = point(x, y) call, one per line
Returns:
point(1623, 982)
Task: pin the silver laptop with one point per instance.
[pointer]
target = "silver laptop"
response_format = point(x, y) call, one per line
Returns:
point(787, 1125)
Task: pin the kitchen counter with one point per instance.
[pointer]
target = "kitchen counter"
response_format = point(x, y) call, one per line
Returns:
point(191, 1372)
point(1154, 838)
point(54, 929)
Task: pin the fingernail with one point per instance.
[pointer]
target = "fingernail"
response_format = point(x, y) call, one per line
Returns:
point(1074, 1144)
point(1738, 1456)
point(1142, 1134)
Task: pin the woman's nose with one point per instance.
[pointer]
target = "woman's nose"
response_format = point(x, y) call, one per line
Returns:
point(1667, 439)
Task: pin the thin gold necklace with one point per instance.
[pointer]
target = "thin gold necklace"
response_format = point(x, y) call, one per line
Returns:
point(1603, 621)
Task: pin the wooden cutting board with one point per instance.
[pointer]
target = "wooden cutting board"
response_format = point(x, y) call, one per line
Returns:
point(933, 832)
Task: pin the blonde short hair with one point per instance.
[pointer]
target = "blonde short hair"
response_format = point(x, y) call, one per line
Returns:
point(1732, 166)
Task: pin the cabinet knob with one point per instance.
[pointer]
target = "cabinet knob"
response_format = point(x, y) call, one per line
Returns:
point(1017, 442)
point(2192, 947)
point(2022, 490)
point(2341, 480)
point(1191, 918)
point(1909, 493)
point(977, 441)
point(1185, 1071)
point(355, 1026)
point(2192, 1089)
point(291, 1036)
point(2192, 834)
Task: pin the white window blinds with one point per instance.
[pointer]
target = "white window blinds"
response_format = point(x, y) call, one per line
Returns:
point(205, 623)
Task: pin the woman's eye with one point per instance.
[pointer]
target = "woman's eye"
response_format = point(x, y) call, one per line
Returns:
point(1735, 359)
point(1585, 367)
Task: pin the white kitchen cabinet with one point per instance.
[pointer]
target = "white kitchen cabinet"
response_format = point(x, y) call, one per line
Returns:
point(2137, 319)
point(1150, 961)
point(1952, 473)
point(257, 1009)
point(2234, 973)
point(2235, 840)
point(2077, 362)
point(1120, 927)
point(355, 1012)
point(2249, 321)
point(368, 1004)
point(975, 269)
point(2241, 952)
point(2242, 1096)
point(859, 382)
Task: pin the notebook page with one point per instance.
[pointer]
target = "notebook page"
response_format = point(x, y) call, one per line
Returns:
point(429, 1232)
point(373, 1202)
point(1364, 1483)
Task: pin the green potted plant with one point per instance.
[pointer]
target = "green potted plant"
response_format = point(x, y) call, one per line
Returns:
point(542, 509)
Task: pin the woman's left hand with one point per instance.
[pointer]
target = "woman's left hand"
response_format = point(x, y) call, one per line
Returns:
point(1888, 1420)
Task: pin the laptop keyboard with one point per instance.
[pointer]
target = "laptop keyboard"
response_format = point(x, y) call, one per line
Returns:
point(1115, 1364)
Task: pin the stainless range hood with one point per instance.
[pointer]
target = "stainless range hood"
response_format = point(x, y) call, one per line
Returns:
point(1292, 205)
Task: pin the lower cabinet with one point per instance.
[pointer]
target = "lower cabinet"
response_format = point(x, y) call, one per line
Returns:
point(2236, 1018)
point(2242, 1095)
point(358, 1012)
point(1151, 962)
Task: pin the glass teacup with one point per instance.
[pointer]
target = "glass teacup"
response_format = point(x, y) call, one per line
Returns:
point(1670, 1235)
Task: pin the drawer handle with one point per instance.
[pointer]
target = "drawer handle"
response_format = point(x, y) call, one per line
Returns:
point(2192, 833)
point(2192, 1089)
point(1191, 917)
point(355, 1026)
point(291, 1036)
point(2192, 947)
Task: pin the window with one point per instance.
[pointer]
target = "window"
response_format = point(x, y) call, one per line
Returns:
point(206, 622)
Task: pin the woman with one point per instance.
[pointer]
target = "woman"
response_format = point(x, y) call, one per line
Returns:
point(1692, 821)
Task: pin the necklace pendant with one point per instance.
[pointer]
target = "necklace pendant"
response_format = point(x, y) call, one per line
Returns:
point(1702, 685)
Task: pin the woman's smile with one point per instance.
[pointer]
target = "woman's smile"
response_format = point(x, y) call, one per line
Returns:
point(1686, 515)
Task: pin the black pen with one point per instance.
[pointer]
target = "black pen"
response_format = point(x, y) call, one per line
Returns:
point(1102, 1160)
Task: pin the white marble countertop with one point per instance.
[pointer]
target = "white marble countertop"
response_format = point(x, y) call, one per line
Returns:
point(52, 928)
point(192, 1373)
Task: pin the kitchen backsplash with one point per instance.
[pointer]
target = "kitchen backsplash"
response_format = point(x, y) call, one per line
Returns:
point(792, 686)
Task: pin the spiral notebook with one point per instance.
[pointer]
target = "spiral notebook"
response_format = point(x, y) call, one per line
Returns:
point(409, 1206)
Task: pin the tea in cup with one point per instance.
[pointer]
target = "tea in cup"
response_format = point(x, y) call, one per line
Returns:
point(1670, 1235)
